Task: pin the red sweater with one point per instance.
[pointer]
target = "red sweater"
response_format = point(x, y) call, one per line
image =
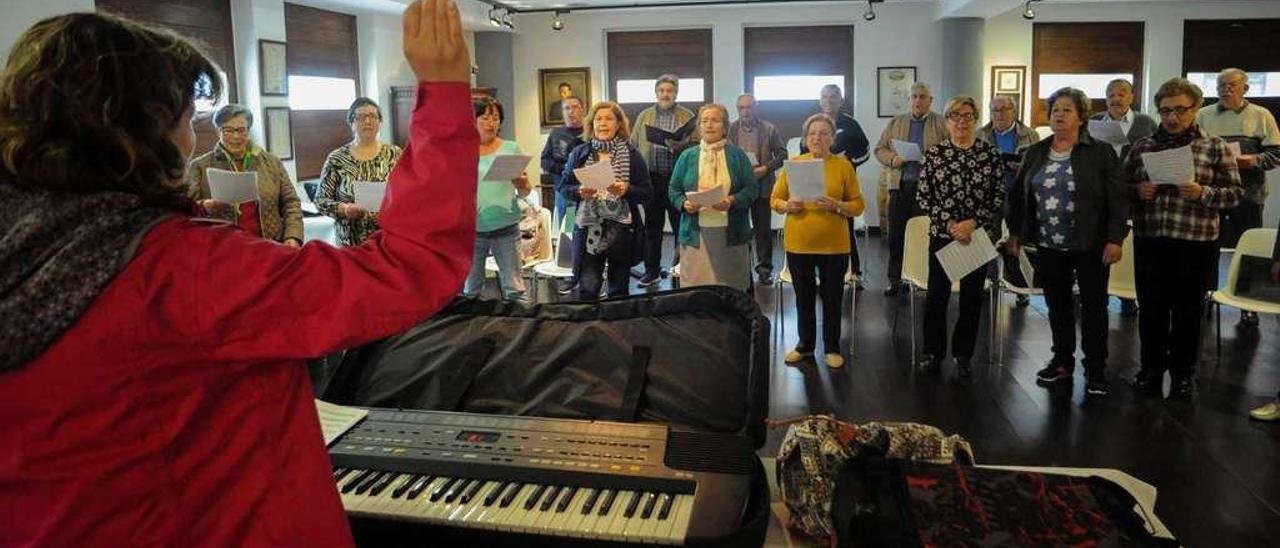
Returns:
point(177, 411)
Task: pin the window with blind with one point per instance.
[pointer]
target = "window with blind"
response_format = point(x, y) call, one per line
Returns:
point(324, 76)
point(787, 67)
point(637, 59)
point(205, 22)
point(1085, 56)
point(1247, 44)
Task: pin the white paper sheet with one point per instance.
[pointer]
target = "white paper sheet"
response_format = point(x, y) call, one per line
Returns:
point(706, 198)
point(335, 420)
point(369, 194)
point(506, 167)
point(598, 176)
point(959, 259)
point(806, 179)
point(754, 161)
point(1170, 167)
point(231, 187)
point(1024, 264)
point(1108, 131)
point(908, 150)
point(1234, 146)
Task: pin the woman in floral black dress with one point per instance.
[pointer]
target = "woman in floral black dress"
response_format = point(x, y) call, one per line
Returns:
point(961, 191)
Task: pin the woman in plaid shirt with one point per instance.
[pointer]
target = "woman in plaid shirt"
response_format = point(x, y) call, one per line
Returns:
point(1175, 246)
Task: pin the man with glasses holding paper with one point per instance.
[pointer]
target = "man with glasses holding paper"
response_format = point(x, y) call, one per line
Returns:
point(1179, 179)
point(900, 151)
point(1252, 132)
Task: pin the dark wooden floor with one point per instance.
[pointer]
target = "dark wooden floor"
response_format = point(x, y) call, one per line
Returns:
point(1217, 472)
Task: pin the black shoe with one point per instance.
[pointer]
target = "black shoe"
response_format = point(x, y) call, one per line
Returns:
point(1054, 371)
point(1128, 308)
point(893, 290)
point(1022, 300)
point(1248, 319)
point(1147, 383)
point(765, 278)
point(964, 369)
point(1096, 386)
point(567, 286)
point(858, 285)
point(929, 365)
point(649, 279)
point(1182, 388)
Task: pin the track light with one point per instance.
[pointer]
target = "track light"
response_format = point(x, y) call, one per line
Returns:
point(557, 23)
point(508, 21)
point(1027, 12)
point(870, 14)
point(493, 17)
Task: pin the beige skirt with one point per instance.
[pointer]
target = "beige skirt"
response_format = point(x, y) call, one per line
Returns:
point(715, 262)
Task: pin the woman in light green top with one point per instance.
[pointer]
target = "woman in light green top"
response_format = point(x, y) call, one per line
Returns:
point(497, 213)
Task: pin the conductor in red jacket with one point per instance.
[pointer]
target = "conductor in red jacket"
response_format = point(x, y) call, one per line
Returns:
point(152, 384)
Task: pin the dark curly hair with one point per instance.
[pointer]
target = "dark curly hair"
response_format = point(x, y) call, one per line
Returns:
point(361, 102)
point(88, 102)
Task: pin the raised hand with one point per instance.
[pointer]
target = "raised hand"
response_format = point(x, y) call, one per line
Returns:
point(433, 42)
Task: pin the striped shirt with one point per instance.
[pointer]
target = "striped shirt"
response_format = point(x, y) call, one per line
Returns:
point(341, 170)
point(1170, 216)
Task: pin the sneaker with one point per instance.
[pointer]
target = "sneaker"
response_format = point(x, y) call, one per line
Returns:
point(1147, 383)
point(1096, 387)
point(567, 286)
point(1054, 372)
point(834, 361)
point(964, 369)
point(795, 356)
point(1182, 388)
point(928, 365)
point(1269, 412)
point(1022, 301)
point(1248, 318)
point(1128, 308)
point(649, 279)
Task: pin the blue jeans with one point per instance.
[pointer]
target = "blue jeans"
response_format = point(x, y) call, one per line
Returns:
point(503, 244)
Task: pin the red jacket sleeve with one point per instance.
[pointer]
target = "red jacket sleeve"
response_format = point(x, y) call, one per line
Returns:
point(256, 300)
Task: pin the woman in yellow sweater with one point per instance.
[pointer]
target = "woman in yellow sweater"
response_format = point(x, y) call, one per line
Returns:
point(816, 239)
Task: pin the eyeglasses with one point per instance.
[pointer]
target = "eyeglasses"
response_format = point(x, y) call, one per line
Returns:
point(962, 117)
point(234, 130)
point(1002, 109)
point(1177, 111)
point(1230, 85)
point(367, 117)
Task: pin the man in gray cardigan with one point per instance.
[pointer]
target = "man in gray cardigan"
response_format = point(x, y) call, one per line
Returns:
point(763, 144)
point(925, 128)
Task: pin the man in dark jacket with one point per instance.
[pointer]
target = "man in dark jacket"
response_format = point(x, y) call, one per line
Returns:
point(560, 143)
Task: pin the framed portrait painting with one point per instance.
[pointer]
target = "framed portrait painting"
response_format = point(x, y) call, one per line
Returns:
point(554, 85)
point(893, 90)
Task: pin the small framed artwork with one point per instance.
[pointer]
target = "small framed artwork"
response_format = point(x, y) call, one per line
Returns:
point(279, 132)
point(1009, 81)
point(273, 75)
point(893, 90)
point(557, 84)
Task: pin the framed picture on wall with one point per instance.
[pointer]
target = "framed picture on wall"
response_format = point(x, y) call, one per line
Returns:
point(279, 132)
point(1009, 81)
point(893, 90)
point(554, 84)
point(273, 76)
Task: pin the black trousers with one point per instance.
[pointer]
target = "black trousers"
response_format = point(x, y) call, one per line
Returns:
point(615, 261)
point(965, 335)
point(902, 206)
point(812, 274)
point(654, 210)
point(1233, 222)
point(1171, 275)
point(1059, 271)
point(761, 225)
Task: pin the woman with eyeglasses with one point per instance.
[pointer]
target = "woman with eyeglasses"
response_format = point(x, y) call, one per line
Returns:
point(1175, 244)
point(1068, 201)
point(961, 190)
point(366, 159)
point(279, 210)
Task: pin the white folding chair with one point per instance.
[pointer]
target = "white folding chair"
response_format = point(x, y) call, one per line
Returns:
point(548, 268)
point(1255, 242)
point(915, 271)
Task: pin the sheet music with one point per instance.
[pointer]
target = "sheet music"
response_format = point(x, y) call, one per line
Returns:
point(506, 167)
point(752, 157)
point(1234, 147)
point(958, 259)
point(335, 420)
point(598, 176)
point(369, 194)
point(232, 187)
point(1170, 167)
point(806, 179)
point(1108, 131)
point(908, 150)
point(706, 198)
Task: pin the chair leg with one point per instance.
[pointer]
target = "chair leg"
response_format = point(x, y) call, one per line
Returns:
point(911, 303)
point(853, 310)
point(1217, 309)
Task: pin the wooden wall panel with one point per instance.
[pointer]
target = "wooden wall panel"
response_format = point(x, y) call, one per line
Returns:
point(649, 54)
point(1088, 48)
point(782, 51)
point(320, 43)
point(1252, 45)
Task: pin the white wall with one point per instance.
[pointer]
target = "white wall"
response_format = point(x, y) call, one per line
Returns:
point(21, 14)
point(1008, 42)
point(904, 34)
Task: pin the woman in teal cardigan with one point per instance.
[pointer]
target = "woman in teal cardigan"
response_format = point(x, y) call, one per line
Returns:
point(713, 239)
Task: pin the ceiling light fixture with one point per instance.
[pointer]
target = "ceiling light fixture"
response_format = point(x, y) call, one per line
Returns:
point(493, 17)
point(508, 20)
point(557, 23)
point(870, 14)
point(1027, 12)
